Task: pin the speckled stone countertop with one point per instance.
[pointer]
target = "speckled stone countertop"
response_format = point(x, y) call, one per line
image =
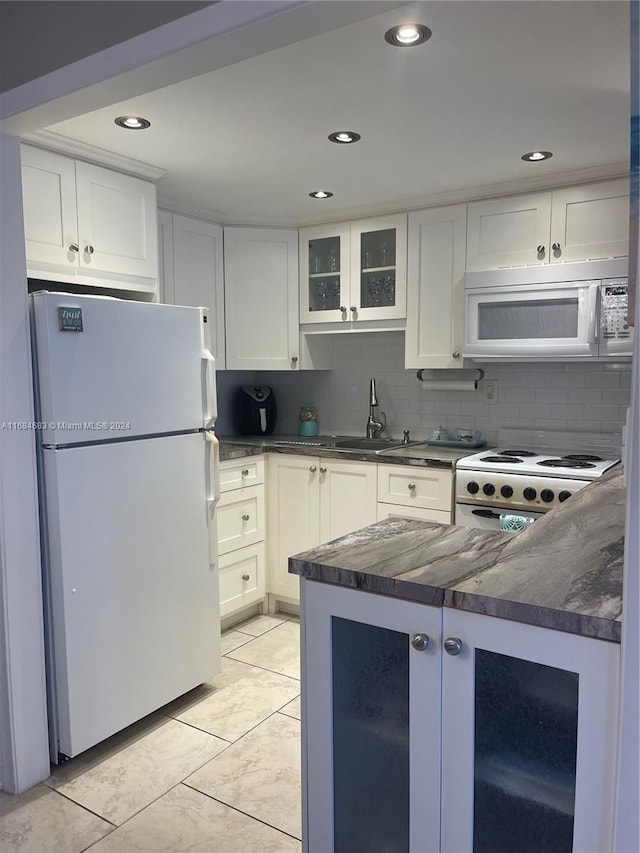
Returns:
point(420, 454)
point(563, 572)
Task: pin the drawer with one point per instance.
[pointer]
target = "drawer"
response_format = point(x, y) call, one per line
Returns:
point(422, 514)
point(242, 578)
point(239, 473)
point(407, 485)
point(240, 518)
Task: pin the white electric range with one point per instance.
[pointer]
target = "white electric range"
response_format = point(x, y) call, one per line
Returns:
point(529, 473)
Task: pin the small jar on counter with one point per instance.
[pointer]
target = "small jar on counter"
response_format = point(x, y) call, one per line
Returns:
point(308, 418)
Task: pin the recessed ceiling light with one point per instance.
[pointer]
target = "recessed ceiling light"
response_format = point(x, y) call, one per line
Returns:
point(320, 194)
point(345, 136)
point(534, 156)
point(132, 122)
point(407, 35)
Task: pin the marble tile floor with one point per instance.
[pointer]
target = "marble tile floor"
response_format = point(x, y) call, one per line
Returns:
point(215, 771)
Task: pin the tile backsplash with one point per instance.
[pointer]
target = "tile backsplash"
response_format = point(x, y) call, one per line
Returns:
point(561, 396)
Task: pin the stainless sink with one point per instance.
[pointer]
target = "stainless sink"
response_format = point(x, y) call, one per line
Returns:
point(372, 445)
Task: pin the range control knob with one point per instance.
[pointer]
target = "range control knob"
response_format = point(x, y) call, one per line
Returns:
point(547, 495)
point(488, 488)
point(530, 494)
point(564, 495)
point(506, 491)
point(473, 487)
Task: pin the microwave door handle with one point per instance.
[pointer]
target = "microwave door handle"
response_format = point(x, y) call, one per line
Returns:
point(593, 317)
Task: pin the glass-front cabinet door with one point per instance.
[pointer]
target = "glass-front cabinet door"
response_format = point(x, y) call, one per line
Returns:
point(371, 716)
point(379, 268)
point(324, 274)
point(528, 761)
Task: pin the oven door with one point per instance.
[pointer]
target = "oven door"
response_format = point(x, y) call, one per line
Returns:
point(485, 517)
point(541, 321)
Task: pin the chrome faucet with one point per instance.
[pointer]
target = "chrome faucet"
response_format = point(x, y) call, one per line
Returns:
point(374, 427)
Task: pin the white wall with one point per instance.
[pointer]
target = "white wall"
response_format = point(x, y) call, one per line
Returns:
point(569, 396)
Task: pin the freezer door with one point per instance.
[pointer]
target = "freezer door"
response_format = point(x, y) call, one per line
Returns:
point(113, 368)
point(134, 597)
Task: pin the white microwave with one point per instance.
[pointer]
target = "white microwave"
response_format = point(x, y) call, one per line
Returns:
point(552, 321)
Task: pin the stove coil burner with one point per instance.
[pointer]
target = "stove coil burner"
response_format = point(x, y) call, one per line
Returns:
point(582, 457)
point(523, 453)
point(512, 460)
point(565, 463)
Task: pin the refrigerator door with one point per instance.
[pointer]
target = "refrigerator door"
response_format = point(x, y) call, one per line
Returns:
point(112, 368)
point(134, 602)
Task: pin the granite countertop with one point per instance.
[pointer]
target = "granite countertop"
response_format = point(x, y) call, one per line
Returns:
point(563, 572)
point(419, 454)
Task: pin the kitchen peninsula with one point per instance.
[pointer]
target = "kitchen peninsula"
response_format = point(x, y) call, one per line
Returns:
point(476, 672)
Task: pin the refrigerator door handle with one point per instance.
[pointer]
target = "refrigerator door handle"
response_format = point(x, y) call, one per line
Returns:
point(212, 478)
point(210, 402)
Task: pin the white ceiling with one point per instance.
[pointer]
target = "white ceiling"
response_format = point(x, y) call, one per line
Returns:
point(247, 143)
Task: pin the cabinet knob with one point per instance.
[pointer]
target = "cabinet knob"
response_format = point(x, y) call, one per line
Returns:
point(245, 472)
point(411, 487)
point(343, 308)
point(540, 249)
point(453, 645)
point(420, 642)
point(323, 470)
point(74, 247)
point(89, 250)
point(313, 469)
point(245, 517)
point(245, 577)
point(353, 309)
point(556, 247)
point(455, 354)
point(294, 360)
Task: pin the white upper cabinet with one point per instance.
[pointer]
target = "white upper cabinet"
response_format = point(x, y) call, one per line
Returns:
point(88, 224)
point(354, 272)
point(577, 224)
point(192, 271)
point(261, 298)
point(435, 288)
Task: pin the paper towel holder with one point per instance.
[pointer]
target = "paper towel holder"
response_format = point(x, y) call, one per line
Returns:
point(451, 380)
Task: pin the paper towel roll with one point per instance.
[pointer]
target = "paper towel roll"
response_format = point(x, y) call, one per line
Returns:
point(450, 380)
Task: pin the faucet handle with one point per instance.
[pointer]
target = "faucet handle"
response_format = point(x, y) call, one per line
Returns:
point(383, 420)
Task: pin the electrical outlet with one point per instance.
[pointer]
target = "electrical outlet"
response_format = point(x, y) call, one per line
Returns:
point(490, 392)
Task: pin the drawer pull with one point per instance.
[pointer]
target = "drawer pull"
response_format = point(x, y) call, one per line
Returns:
point(245, 517)
point(323, 470)
point(411, 487)
point(245, 472)
point(313, 469)
point(245, 577)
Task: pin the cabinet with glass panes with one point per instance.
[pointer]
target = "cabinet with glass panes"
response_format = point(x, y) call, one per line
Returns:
point(354, 271)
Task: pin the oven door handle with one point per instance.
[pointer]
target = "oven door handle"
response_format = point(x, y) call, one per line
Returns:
point(485, 513)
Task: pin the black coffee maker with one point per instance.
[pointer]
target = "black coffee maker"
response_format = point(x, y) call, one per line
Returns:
point(255, 411)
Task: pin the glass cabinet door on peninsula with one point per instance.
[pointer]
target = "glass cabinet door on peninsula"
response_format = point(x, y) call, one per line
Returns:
point(430, 730)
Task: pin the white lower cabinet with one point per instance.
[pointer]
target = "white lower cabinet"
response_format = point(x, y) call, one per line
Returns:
point(313, 500)
point(428, 730)
point(406, 491)
point(240, 522)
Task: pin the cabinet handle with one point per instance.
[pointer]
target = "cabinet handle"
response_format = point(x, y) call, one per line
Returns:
point(323, 470)
point(89, 250)
point(245, 517)
point(420, 642)
point(343, 308)
point(455, 354)
point(411, 487)
point(453, 645)
point(353, 309)
point(541, 250)
point(556, 247)
point(74, 247)
point(294, 360)
point(245, 577)
point(245, 472)
point(313, 469)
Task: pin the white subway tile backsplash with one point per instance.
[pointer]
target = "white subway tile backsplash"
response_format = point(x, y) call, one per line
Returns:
point(571, 396)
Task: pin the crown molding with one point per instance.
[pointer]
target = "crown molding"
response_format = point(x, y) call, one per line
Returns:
point(93, 154)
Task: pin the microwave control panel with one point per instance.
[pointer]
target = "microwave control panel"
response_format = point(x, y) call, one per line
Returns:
point(614, 310)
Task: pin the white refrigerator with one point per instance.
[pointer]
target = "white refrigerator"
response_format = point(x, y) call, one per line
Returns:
point(128, 483)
